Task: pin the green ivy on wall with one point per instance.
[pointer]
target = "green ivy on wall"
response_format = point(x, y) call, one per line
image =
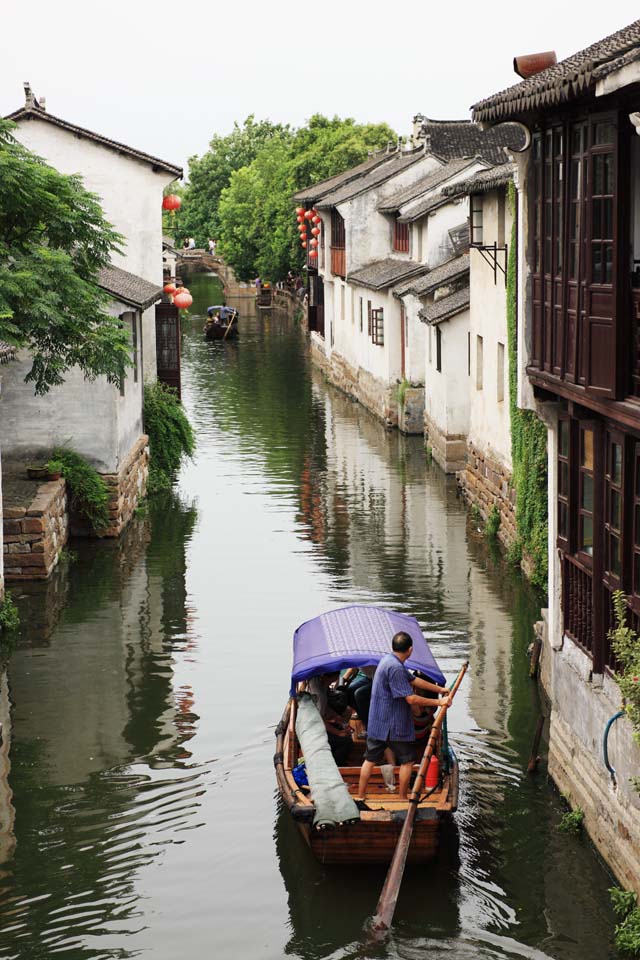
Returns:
point(528, 444)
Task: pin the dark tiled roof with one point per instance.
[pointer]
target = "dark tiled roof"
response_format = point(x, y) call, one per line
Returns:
point(447, 307)
point(384, 273)
point(482, 182)
point(445, 273)
point(450, 139)
point(33, 113)
point(7, 352)
point(424, 207)
point(565, 80)
point(441, 174)
point(318, 190)
point(395, 163)
point(129, 288)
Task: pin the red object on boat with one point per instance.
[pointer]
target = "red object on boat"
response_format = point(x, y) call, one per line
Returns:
point(183, 300)
point(170, 288)
point(432, 778)
point(171, 202)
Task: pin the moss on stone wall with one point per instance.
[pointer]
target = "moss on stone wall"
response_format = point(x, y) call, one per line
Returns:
point(528, 443)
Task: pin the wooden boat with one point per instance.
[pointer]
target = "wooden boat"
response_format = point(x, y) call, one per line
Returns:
point(263, 296)
point(363, 635)
point(222, 323)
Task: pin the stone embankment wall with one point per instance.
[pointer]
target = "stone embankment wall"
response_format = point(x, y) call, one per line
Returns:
point(485, 483)
point(126, 488)
point(581, 705)
point(35, 535)
point(448, 450)
point(377, 397)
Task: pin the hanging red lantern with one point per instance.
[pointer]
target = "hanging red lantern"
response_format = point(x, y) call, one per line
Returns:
point(300, 211)
point(171, 202)
point(308, 214)
point(302, 228)
point(304, 244)
point(183, 300)
point(313, 253)
point(316, 219)
point(315, 232)
point(170, 288)
point(313, 243)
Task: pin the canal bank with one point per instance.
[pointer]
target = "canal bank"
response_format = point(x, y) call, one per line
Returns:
point(149, 675)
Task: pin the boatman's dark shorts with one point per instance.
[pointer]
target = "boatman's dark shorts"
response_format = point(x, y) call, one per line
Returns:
point(403, 750)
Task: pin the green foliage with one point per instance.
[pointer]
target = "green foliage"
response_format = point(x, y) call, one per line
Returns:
point(170, 434)
point(528, 444)
point(142, 508)
point(9, 616)
point(54, 466)
point(53, 241)
point(514, 554)
point(401, 391)
point(627, 932)
point(211, 173)
point(492, 525)
point(572, 821)
point(475, 513)
point(626, 646)
point(88, 491)
point(68, 556)
point(240, 191)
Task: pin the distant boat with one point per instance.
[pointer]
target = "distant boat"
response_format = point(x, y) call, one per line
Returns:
point(357, 636)
point(222, 323)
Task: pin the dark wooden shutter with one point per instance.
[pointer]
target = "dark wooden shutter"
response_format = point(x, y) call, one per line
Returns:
point(601, 256)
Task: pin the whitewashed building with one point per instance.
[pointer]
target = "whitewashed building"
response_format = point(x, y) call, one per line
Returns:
point(96, 419)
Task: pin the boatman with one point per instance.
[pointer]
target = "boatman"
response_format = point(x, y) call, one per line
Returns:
point(390, 716)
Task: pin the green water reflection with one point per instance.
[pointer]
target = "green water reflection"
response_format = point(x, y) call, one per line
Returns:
point(138, 814)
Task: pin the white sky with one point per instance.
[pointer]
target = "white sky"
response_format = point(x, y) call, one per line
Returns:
point(164, 76)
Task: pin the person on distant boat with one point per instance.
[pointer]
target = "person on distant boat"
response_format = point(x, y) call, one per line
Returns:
point(390, 716)
point(338, 729)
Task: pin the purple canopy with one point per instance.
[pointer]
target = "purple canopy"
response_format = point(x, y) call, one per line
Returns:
point(356, 636)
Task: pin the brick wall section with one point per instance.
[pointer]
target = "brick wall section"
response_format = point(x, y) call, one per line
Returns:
point(35, 535)
point(376, 396)
point(484, 483)
point(127, 487)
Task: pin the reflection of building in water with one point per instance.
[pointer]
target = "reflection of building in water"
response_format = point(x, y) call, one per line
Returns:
point(7, 811)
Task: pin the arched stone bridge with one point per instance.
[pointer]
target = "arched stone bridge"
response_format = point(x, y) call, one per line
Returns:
point(202, 260)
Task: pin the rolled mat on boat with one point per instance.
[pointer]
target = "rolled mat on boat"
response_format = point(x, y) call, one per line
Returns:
point(329, 792)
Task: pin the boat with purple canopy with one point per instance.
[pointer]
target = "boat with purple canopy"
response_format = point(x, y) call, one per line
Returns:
point(365, 831)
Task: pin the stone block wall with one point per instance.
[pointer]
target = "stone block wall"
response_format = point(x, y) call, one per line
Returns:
point(378, 397)
point(411, 411)
point(448, 450)
point(35, 535)
point(486, 483)
point(581, 705)
point(127, 487)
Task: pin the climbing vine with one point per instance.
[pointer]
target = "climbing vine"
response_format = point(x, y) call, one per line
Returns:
point(170, 435)
point(528, 444)
point(626, 646)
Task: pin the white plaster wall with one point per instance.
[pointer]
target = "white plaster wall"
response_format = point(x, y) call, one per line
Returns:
point(447, 392)
point(368, 232)
point(416, 341)
point(438, 247)
point(130, 193)
point(91, 418)
point(489, 421)
point(356, 346)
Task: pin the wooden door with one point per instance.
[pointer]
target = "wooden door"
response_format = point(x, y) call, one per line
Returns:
point(168, 345)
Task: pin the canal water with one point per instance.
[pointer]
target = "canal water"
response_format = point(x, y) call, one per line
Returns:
point(138, 810)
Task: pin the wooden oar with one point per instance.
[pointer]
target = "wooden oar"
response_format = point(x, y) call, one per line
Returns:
point(389, 896)
point(233, 316)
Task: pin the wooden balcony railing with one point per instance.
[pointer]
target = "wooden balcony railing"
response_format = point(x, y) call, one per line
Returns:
point(338, 261)
point(578, 603)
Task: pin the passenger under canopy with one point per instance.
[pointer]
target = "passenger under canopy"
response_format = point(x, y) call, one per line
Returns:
point(356, 636)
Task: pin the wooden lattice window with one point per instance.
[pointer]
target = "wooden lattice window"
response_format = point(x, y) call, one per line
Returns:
point(586, 485)
point(438, 350)
point(401, 237)
point(564, 474)
point(476, 220)
point(613, 507)
point(636, 523)
point(377, 327)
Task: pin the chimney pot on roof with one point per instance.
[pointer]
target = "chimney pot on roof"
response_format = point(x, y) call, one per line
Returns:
point(29, 98)
point(532, 63)
point(42, 103)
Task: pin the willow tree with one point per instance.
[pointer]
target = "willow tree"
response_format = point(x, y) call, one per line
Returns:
point(54, 240)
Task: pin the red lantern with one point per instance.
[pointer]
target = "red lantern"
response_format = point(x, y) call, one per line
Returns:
point(170, 288)
point(183, 300)
point(315, 232)
point(308, 214)
point(316, 219)
point(313, 253)
point(300, 211)
point(313, 243)
point(171, 202)
point(302, 228)
point(304, 244)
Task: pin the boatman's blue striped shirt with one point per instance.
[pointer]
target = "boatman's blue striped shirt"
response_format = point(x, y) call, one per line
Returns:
point(390, 716)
